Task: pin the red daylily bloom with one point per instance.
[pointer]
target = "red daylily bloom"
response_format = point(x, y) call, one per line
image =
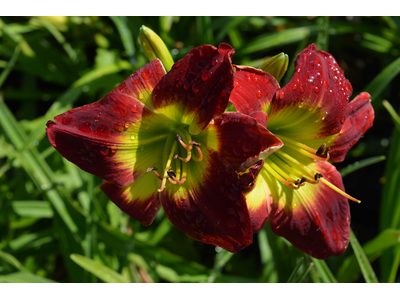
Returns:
point(297, 189)
point(164, 140)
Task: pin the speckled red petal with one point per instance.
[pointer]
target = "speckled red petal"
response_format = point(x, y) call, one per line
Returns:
point(141, 84)
point(96, 137)
point(315, 219)
point(253, 90)
point(242, 140)
point(314, 101)
point(212, 208)
point(359, 118)
point(200, 84)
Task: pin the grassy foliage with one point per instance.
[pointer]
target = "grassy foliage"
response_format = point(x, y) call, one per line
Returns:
point(56, 224)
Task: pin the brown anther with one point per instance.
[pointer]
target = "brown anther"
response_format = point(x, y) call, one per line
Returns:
point(321, 150)
point(151, 169)
point(171, 174)
point(297, 182)
point(303, 180)
point(176, 156)
point(178, 137)
point(195, 143)
point(318, 176)
point(327, 151)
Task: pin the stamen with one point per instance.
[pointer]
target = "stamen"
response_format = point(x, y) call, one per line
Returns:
point(278, 165)
point(321, 150)
point(304, 170)
point(180, 140)
point(174, 180)
point(153, 169)
point(200, 158)
point(167, 167)
point(277, 176)
point(335, 188)
point(176, 156)
point(309, 151)
point(194, 143)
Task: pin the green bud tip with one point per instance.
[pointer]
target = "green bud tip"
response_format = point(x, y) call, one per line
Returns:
point(154, 47)
point(276, 65)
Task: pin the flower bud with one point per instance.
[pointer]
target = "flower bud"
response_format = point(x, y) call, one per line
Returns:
point(154, 47)
point(276, 65)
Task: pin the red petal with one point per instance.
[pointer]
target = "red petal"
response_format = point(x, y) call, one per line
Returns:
point(140, 84)
point(96, 139)
point(199, 83)
point(243, 141)
point(212, 208)
point(140, 200)
point(253, 90)
point(319, 89)
point(315, 219)
point(359, 118)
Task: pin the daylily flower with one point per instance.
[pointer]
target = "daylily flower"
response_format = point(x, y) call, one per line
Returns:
point(164, 140)
point(297, 189)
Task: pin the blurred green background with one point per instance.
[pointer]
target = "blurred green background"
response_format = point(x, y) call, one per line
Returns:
point(57, 226)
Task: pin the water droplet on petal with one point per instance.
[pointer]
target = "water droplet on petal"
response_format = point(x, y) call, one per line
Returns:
point(134, 108)
point(206, 75)
point(316, 89)
point(85, 127)
point(294, 87)
point(214, 62)
point(254, 78)
point(301, 89)
point(259, 94)
point(104, 151)
point(147, 73)
point(342, 120)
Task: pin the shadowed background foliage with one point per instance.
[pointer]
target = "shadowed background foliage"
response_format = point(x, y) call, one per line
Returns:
point(56, 224)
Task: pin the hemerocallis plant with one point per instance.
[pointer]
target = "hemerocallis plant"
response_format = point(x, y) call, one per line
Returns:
point(297, 189)
point(163, 139)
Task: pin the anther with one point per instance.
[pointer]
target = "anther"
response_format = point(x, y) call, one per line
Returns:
point(180, 140)
point(318, 176)
point(153, 169)
point(303, 180)
point(172, 178)
point(194, 143)
point(321, 150)
point(177, 156)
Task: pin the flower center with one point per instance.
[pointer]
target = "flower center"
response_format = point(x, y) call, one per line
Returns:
point(175, 166)
point(289, 165)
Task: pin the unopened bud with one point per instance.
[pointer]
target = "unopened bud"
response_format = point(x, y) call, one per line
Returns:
point(276, 65)
point(154, 47)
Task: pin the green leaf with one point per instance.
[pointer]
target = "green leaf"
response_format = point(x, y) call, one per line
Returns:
point(98, 269)
point(272, 40)
point(379, 83)
point(361, 164)
point(23, 277)
point(296, 269)
point(366, 269)
point(349, 270)
point(324, 271)
point(36, 209)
